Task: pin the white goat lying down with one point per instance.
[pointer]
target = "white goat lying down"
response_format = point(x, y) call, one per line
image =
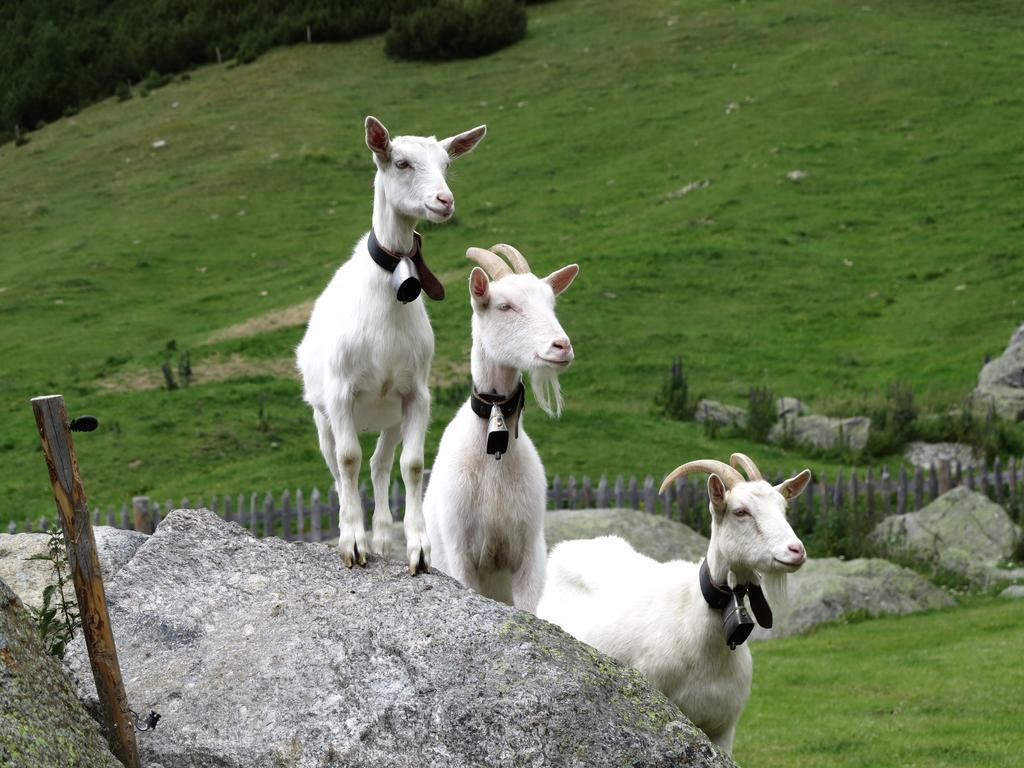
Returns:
point(485, 517)
point(365, 358)
point(661, 619)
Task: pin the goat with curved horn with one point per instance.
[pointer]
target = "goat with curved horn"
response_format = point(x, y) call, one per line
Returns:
point(491, 262)
point(741, 460)
point(709, 466)
point(694, 648)
point(515, 258)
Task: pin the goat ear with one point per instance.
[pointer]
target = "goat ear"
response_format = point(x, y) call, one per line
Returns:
point(716, 492)
point(793, 487)
point(377, 138)
point(479, 287)
point(562, 278)
point(456, 146)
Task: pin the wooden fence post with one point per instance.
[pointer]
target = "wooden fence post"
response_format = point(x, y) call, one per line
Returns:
point(140, 508)
point(83, 562)
point(945, 477)
point(997, 468)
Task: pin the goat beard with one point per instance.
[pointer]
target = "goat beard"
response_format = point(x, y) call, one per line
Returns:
point(547, 391)
point(775, 587)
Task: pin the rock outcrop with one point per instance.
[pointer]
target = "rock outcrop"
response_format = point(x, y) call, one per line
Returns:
point(649, 534)
point(28, 578)
point(1001, 381)
point(827, 589)
point(259, 652)
point(962, 532)
point(42, 722)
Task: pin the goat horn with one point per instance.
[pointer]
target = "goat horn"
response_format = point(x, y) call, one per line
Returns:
point(742, 460)
point(491, 262)
point(515, 258)
point(709, 466)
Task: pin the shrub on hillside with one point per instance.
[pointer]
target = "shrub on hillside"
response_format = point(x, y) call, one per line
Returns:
point(673, 400)
point(762, 414)
point(454, 29)
point(155, 80)
point(893, 421)
point(123, 92)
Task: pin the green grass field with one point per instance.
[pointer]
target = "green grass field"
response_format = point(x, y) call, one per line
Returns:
point(931, 690)
point(898, 257)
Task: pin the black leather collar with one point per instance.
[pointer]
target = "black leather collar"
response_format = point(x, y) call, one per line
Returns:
point(509, 406)
point(388, 261)
point(719, 596)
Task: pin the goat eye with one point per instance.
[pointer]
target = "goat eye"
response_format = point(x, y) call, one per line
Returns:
point(741, 513)
point(504, 307)
point(401, 165)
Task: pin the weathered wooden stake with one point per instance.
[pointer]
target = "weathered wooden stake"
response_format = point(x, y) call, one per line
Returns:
point(69, 494)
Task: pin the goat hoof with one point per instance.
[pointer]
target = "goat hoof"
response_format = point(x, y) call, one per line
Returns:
point(347, 560)
point(420, 565)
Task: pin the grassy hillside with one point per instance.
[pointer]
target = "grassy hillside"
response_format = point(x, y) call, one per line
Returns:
point(937, 690)
point(897, 257)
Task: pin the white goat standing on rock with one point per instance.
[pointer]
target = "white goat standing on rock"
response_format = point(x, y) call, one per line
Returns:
point(365, 358)
point(671, 621)
point(485, 516)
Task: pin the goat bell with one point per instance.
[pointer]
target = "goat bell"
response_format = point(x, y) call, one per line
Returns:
point(738, 624)
point(405, 281)
point(497, 433)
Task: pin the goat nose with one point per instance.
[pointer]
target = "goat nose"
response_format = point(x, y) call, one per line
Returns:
point(562, 345)
point(445, 199)
point(797, 548)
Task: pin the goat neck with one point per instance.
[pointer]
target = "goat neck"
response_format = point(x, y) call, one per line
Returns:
point(718, 566)
point(394, 230)
point(492, 378)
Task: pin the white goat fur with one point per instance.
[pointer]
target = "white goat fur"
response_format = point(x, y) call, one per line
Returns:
point(365, 358)
point(485, 517)
point(652, 615)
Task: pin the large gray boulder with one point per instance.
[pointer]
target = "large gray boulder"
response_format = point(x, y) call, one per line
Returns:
point(42, 722)
point(827, 589)
point(260, 652)
point(822, 432)
point(962, 532)
point(649, 534)
point(1001, 381)
point(28, 578)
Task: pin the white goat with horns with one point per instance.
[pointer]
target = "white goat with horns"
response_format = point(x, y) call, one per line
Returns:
point(683, 624)
point(485, 503)
point(365, 358)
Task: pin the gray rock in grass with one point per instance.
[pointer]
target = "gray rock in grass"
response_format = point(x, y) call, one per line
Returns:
point(962, 532)
point(1001, 381)
point(722, 414)
point(823, 432)
point(827, 589)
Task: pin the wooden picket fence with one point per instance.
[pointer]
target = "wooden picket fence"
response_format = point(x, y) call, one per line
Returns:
point(874, 493)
